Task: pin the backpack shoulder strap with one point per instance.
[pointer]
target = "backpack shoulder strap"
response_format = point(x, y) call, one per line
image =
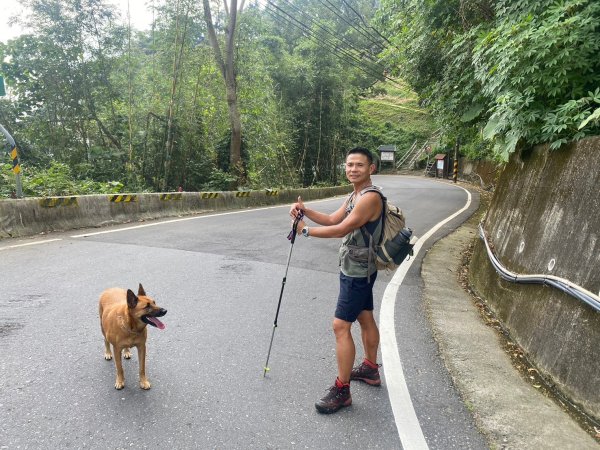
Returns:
point(363, 229)
point(373, 188)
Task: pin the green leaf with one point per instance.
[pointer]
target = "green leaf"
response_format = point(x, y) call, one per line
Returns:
point(472, 113)
point(491, 128)
point(595, 116)
point(511, 142)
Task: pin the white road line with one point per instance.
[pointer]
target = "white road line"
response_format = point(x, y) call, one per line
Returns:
point(409, 429)
point(29, 243)
point(203, 216)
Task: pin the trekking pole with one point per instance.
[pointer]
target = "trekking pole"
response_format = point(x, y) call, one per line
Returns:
point(292, 239)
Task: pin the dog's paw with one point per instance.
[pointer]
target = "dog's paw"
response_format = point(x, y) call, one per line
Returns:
point(119, 384)
point(126, 354)
point(145, 384)
point(108, 356)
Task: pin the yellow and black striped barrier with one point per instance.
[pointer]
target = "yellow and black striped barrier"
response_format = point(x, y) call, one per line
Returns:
point(14, 155)
point(176, 196)
point(53, 202)
point(209, 194)
point(123, 198)
point(455, 174)
point(242, 194)
point(272, 192)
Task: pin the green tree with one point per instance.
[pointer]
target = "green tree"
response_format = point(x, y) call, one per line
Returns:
point(540, 73)
point(321, 60)
point(521, 72)
point(226, 63)
point(61, 77)
point(151, 109)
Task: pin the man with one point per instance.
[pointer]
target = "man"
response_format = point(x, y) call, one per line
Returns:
point(357, 276)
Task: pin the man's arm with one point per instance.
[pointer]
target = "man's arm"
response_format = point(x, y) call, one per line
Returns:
point(365, 210)
point(319, 217)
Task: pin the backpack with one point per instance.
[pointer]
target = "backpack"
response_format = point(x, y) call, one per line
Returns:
point(394, 245)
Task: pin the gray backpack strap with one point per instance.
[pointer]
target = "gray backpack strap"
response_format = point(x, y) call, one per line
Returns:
point(363, 229)
point(368, 237)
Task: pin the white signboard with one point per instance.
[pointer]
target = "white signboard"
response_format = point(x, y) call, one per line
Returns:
point(440, 164)
point(387, 156)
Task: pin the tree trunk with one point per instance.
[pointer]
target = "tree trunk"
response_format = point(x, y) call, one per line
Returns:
point(235, 149)
point(177, 62)
point(228, 72)
point(129, 91)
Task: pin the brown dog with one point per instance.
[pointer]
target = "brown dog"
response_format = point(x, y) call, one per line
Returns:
point(123, 319)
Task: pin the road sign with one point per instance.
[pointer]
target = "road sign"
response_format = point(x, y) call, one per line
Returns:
point(14, 155)
point(2, 91)
point(387, 156)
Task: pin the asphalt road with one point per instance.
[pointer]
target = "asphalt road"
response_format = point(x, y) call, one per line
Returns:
point(220, 277)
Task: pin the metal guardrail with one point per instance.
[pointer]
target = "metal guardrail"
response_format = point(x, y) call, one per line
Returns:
point(549, 280)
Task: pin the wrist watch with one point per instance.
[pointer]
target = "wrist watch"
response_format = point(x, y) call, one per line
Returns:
point(305, 232)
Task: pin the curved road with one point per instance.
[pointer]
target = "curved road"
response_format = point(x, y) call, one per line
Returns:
point(219, 275)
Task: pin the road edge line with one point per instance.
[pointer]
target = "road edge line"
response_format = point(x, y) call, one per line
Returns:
point(409, 429)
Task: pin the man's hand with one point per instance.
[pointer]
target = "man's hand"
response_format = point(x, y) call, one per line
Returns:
point(301, 225)
point(299, 205)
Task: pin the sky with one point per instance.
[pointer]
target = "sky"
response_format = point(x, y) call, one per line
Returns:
point(141, 17)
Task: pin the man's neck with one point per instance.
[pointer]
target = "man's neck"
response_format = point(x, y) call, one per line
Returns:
point(363, 184)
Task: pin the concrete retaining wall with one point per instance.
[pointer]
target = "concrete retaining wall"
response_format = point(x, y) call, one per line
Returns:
point(486, 172)
point(24, 217)
point(546, 207)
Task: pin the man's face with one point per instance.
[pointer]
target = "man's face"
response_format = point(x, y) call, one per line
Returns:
point(358, 168)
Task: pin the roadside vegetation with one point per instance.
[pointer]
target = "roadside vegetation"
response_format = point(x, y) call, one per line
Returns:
point(500, 74)
point(273, 95)
point(390, 115)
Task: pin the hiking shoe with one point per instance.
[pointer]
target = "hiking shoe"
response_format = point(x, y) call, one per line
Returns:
point(338, 397)
point(366, 374)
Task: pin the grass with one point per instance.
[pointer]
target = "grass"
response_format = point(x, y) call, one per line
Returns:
point(392, 115)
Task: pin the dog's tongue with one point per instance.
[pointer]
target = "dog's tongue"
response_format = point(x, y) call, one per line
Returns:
point(157, 322)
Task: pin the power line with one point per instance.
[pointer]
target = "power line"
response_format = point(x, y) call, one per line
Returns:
point(362, 52)
point(348, 58)
point(307, 30)
point(279, 13)
point(341, 48)
point(362, 31)
point(362, 19)
point(329, 32)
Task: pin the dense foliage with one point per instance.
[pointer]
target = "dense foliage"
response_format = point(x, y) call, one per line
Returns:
point(103, 106)
point(148, 110)
point(501, 73)
point(56, 179)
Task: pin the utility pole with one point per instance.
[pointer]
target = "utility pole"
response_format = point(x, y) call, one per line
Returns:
point(455, 175)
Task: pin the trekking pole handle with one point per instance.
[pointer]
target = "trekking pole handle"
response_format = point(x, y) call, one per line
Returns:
point(292, 236)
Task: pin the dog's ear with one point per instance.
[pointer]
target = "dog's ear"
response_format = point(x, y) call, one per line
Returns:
point(132, 300)
point(141, 290)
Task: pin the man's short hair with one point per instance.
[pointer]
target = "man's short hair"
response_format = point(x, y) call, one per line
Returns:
point(361, 151)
